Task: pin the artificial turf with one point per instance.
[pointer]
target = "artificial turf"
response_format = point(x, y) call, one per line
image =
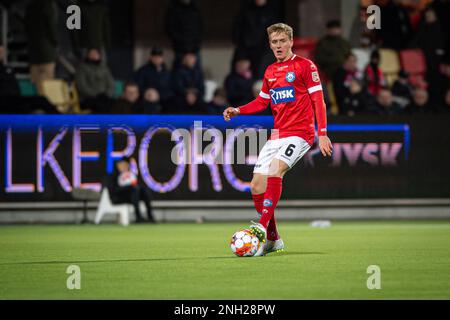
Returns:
point(194, 261)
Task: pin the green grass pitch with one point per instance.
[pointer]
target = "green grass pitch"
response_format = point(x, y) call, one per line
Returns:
point(194, 261)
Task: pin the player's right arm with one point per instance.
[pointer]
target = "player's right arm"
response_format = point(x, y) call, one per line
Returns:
point(257, 105)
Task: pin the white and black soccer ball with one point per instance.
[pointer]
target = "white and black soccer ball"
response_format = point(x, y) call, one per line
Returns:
point(244, 244)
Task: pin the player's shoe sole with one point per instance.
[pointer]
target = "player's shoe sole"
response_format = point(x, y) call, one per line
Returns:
point(259, 231)
point(276, 246)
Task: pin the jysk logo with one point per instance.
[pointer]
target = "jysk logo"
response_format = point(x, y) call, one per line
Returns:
point(282, 95)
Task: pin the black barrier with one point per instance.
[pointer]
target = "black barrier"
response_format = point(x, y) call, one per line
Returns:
point(42, 158)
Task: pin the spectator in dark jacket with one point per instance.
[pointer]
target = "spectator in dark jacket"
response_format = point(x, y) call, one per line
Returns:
point(250, 35)
point(184, 26)
point(127, 103)
point(344, 77)
point(155, 75)
point(238, 84)
point(185, 77)
point(356, 101)
point(41, 28)
point(192, 103)
point(402, 89)
point(430, 39)
point(420, 103)
point(95, 27)
point(150, 102)
point(385, 103)
point(95, 83)
point(123, 187)
point(218, 103)
point(396, 31)
point(332, 49)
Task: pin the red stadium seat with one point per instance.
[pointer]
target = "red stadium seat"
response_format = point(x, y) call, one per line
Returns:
point(413, 62)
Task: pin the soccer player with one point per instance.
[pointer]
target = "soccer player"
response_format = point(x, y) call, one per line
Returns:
point(293, 89)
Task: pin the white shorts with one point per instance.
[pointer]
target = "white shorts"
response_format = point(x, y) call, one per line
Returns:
point(289, 150)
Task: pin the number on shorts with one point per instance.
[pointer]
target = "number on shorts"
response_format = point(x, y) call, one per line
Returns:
point(290, 150)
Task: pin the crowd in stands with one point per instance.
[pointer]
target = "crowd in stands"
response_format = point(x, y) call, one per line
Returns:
point(157, 88)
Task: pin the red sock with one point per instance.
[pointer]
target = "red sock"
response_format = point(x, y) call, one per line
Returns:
point(271, 197)
point(258, 201)
point(272, 232)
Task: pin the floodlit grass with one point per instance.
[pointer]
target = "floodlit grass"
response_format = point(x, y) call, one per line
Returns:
point(193, 261)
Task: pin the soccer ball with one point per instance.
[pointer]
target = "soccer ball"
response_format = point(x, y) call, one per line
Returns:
point(244, 243)
point(127, 179)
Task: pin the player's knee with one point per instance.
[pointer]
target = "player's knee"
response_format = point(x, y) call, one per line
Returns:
point(256, 186)
point(278, 169)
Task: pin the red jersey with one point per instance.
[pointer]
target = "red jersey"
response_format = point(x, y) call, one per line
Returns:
point(294, 91)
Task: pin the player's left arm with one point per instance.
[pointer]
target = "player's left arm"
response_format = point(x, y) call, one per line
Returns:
point(314, 86)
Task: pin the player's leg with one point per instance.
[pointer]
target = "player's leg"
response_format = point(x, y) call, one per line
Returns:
point(259, 183)
point(292, 149)
point(273, 191)
point(258, 188)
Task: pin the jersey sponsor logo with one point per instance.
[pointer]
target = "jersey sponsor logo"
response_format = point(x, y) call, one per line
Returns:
point(267, 203)
point(282, 95)
point(315, 76)
point(272, 80)
point(290, 77)
point(281, 68)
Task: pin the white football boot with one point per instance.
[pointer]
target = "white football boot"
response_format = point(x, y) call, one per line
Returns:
point(274, 246)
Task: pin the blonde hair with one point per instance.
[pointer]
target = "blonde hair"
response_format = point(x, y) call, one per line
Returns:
point(281, 28)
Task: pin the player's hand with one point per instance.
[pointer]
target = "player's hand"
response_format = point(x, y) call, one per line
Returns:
point(230, 113)
point(325, 146)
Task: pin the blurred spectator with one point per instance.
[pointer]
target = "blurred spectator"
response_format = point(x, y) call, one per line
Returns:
point(219, 102)
point(184, 26)
point(396, 31)
point(250, 35)
point(192, 102)
point(356, 101)
point(95, 83)
point(431, 40)
point(11, 101)
point(41, 28)
point(238, 84)
point(373, 75)
point(332, 49)
point(155, 75)
point(150, 103)
point(402, 89)
point(445, 107)
point(187, 76)
point(442, 9)
point(385, 103)
point(420, 103)
point(127, 103)
point(360, 35)
point(343, 78)
point(123, 187)
point(95, 27)
point(8, 82)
